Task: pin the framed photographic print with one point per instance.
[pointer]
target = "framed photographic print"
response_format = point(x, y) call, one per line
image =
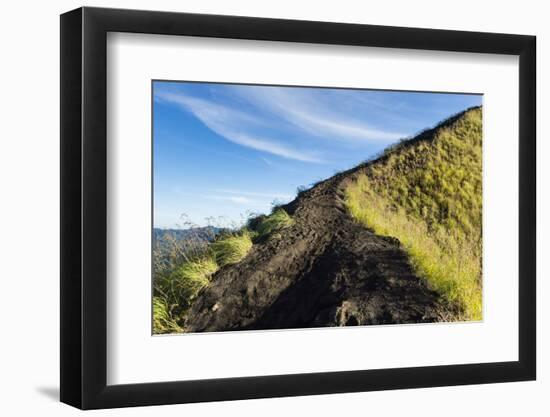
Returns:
point(258, 207)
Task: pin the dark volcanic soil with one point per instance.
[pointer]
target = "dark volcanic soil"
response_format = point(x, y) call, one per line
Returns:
point(325, 270)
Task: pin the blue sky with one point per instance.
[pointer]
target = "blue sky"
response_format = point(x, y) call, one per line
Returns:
point(222, 151)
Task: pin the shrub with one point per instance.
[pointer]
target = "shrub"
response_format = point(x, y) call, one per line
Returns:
point(254, 222)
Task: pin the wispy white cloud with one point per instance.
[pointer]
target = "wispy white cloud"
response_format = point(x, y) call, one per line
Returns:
point(233, 125)
point(235, 199)
point(281, 166)
point(316, 114)
point(237, 196)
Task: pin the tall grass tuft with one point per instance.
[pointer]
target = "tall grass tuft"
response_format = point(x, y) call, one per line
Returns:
point(181, 277)
point(428, 195)
point(232, 249)
point(163, 322)
point(176, 290)
point(275, 222)
point(190, 277)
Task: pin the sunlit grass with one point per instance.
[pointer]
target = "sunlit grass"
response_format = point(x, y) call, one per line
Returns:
point(231, 249)
point(275, 222)
point(193, 275)
point(176, 290)
point(450, 265)
point(428, 195)
point(163, 322)
point(190, 265)
point(181, 278)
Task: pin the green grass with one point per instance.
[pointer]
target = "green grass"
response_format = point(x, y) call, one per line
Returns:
point(186, 270)
point(176, 290)
point(428, 194)
point(232, 249)
point(178, 283)
point(163, 322)
point(275, 222)
point(192, 276)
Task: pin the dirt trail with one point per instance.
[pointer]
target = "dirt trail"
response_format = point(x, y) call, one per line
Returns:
point(326, 270)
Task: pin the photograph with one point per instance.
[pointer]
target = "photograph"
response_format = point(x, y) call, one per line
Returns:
point(293, 207)
point(247, 208)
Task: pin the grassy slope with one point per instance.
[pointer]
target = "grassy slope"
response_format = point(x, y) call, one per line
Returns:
point(179, 279)
point(427, 192)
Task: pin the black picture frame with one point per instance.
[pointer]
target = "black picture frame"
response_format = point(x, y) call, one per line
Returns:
point(84, 207)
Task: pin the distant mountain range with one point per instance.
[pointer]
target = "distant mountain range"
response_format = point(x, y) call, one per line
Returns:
point(172, 246)
point(204, 233)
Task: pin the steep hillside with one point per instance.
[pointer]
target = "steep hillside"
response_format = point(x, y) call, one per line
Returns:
point(428, 194)
point(345, 252)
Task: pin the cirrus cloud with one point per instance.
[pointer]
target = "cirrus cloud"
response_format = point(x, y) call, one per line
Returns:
point(233, 125)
